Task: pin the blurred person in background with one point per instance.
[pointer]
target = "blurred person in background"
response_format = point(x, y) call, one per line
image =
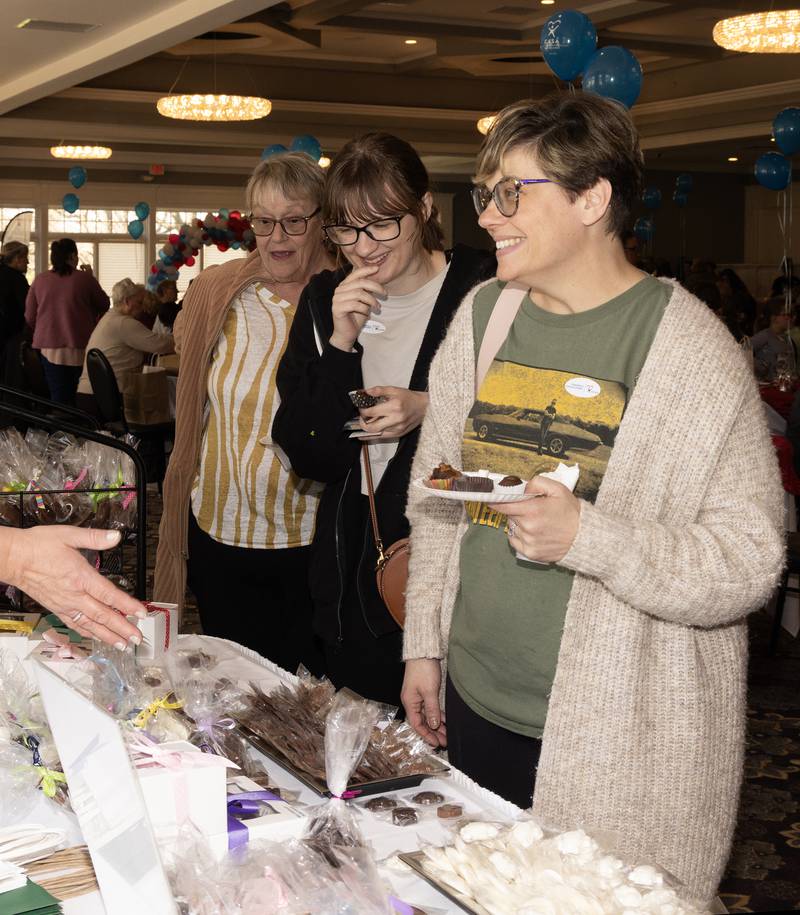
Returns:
point(168, 306)
point(630, 244)
point(123, 338)
point(62, 308)
point(737, 303)
point(774, 344)
point(13, 292)
point(238, 519)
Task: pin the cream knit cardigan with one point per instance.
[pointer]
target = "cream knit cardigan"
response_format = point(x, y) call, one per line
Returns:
point(645, 728)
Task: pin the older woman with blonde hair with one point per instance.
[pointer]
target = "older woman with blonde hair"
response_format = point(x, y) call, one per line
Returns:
point(123, 338)
point(237, 520)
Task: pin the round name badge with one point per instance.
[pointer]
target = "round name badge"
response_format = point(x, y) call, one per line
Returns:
point(373, 327)
point(582, 387)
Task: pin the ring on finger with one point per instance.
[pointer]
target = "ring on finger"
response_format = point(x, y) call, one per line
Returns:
point(77, 616)
point(512, 528)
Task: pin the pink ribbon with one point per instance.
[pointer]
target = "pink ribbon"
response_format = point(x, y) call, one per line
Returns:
point(146, 753)
point(58, 645)
point(346, 795)
point(71, 484)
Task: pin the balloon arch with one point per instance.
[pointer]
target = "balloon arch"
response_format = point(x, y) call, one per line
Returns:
point(227, 229)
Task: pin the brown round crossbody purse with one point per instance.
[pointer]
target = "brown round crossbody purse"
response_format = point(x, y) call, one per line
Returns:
point(391, 569)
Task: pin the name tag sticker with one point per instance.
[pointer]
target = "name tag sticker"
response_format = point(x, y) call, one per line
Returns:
point(582, 387)
point(373, 327)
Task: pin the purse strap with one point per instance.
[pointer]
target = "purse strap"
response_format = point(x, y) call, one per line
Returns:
point(372, 511)
point(497, 328)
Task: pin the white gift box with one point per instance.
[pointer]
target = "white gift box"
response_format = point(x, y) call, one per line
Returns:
point(159, 630)
point(181, 789)
point(286, 822)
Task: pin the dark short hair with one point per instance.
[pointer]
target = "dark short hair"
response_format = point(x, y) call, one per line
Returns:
point(578, 140)
point(377, 175)
point(60, 252)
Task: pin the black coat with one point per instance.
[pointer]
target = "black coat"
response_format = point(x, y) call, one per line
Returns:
point(308, 426)
point(13, 292)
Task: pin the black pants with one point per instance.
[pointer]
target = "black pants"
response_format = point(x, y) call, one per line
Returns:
point(62, 380)
point(497, 759)
point(372, 667)
point(258, 598)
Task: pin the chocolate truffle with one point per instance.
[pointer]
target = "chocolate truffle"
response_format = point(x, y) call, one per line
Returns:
point(450, 811)
point(468, 483)
point(428, 798)
point(510, 481)
point(380, 803)
point(404, 816)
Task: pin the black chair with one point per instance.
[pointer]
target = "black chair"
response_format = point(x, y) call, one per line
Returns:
point(111, 406)
point(792, 568)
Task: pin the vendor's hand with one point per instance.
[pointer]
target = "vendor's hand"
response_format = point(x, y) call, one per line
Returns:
point(45, 564)
point(543, 529)
point(353, 302)
point(420, 698)
point(400, 412)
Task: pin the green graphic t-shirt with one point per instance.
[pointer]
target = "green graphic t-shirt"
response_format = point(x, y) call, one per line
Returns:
point(556, 392)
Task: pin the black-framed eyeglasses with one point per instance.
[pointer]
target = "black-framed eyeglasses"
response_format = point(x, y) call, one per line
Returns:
point(505, 194)
point(380, 230)
point(291, 225)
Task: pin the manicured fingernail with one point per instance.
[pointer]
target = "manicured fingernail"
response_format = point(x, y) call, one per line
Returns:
point(112, 536)
point(434, 723)
point(141, 613)
point(136, 638)
point(120, 646)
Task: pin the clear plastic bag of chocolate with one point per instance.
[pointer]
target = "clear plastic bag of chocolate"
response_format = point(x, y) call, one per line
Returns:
point(18, 467)
point(114, 482)
point(348, 727)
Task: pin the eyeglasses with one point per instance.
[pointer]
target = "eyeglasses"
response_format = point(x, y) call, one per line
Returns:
point(381, 230)
point(291, 225)
point(505, 194)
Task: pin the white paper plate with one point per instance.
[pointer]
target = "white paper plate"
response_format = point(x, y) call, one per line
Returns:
point(473, 496)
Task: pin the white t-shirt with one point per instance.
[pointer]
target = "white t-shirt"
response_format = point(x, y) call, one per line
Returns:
point(391, 342)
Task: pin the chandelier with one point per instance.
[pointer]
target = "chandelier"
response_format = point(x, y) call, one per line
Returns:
point(214, 107)
point(484, 125)
point(775, 32)
point(80, 152)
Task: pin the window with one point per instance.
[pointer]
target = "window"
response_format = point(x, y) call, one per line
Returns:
point(169, 221)
point(89, 222)
point(8, 213)
point(120, 259)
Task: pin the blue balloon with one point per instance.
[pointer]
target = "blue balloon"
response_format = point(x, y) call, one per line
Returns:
point(567, 43)
point(307, 144)
point(273, 150)
point(70, 202)
point(786, 130)
point(135, 228)
point(614, 73)
point(142, 210)
point(651, 198)
point(643, 229)
point(77, 176)
point(224, 214)
point(680, 198)
point(684, 182)
point(773, 171)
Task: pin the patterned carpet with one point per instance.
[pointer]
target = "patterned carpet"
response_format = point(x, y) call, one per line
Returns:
point(763, 874)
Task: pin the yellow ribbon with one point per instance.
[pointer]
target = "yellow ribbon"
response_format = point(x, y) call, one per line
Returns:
point(149, 711)
point(50, 779)
point(15, 626)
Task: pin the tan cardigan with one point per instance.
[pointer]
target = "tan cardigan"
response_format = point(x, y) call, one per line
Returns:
point(197, 330)
point(645, 728)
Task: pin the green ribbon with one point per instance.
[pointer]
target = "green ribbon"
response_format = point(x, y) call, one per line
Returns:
point(50, 779)
point(113, 490)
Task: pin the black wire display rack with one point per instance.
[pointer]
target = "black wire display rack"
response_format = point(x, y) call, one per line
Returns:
point(21, 408)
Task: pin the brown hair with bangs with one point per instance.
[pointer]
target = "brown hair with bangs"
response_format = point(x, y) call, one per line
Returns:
point(578, 140)
point(379, 175)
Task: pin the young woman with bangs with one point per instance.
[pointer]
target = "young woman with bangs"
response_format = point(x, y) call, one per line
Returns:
point(375, 323)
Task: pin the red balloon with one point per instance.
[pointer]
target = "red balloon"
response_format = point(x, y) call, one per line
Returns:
point(174, 239)
point(154, 269)
point(235, 214)
point(190, 261)
point(223, 246)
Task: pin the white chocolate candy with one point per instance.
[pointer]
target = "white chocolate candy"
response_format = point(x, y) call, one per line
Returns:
point(477, 831)
point(628, 896)
point(645, 875)
point(525, 833)
point(504, 865)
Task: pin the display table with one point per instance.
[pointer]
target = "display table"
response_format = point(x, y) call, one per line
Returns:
point(385, 839)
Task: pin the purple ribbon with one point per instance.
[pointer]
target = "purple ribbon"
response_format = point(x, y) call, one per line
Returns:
point(346, 795)
point(244, 804)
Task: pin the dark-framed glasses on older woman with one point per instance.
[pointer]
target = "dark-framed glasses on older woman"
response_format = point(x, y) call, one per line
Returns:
point(291, 225)
point(380, 230)
point(505, 194)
